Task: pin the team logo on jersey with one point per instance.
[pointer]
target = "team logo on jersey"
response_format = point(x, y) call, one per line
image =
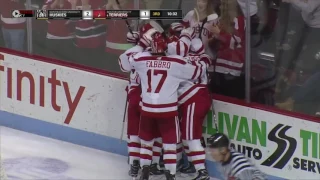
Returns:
point(286, 147)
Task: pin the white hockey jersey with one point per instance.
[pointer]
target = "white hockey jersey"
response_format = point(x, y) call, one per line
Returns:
point(188, 89)
point(160, 78)
point(134, 81)
point(190, 21)
point(193, 52)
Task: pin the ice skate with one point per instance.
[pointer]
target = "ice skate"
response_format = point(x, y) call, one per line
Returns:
point(189, 169)
point(145, 173)
point(134, 169)
point(202, 175)
point(169, 176)
point(155, 170)
point(180, 165)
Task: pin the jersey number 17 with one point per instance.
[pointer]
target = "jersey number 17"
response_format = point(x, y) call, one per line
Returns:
point(156, 72)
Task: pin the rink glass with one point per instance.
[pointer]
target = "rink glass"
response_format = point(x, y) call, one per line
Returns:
point(282, 70)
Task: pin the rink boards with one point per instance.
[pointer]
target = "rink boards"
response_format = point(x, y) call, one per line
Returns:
point(85, 107)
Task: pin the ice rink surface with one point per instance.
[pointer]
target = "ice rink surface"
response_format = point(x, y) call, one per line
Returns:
point(29, 156)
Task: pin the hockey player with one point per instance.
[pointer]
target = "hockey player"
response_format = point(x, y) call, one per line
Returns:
point(134, 98)
point(133, 109)
point(160, 77)
point(233, 165)
point(134, 92)
point(195, 102)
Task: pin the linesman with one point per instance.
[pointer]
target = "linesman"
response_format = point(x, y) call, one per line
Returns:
point(233, 165)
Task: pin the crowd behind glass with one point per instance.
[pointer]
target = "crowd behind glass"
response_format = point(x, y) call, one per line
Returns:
point(284, 47)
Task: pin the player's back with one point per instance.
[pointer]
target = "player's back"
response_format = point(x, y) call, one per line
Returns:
point(160, 78)
point(188, 89)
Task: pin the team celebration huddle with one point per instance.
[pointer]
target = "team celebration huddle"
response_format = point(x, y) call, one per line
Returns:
point(168, 98)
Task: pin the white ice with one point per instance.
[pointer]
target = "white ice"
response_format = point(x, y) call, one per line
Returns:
point(29, 156)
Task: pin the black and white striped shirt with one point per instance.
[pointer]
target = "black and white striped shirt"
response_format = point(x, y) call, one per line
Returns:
point(238, 167)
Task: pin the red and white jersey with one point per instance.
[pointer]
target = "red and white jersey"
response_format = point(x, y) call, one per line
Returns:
point(59, 29)
point(190, 21)
point(90, 33)
point(134, 84)
point(160, 78)
point(7, 21)
point(134, 81)
point(181, 47)
point(188, 89)
point(231, 54)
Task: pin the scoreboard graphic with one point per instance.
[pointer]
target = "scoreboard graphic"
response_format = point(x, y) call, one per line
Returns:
point(99, 14)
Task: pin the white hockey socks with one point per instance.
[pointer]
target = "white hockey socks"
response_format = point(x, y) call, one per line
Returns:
point(170, 157)
point(186, 149)
point(156, 149)
point(134, 148)
point(196, 154)
point(146, 152)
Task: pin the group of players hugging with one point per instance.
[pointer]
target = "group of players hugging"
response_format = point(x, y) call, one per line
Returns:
point(168, 98)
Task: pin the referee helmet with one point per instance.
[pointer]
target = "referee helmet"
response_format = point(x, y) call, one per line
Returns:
point(218, 140)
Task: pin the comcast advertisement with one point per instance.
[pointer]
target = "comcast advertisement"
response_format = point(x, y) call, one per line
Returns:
point(279, 145)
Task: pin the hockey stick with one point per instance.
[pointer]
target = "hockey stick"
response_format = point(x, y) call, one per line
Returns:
point(213, 114)
point(124, 119)
point(126, 104)
point(214, 118)
point(208, 18)
point(127, 23)
point(197, 18)
point(180, 4)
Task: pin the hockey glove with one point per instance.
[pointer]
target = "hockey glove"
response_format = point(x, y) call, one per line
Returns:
point(177, 27)
point(133, 38)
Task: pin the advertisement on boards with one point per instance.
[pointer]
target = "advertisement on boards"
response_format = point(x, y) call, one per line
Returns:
point(279, 145)
point(62, 95)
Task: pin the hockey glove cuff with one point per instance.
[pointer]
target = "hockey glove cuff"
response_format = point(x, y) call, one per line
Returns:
point(133, 37)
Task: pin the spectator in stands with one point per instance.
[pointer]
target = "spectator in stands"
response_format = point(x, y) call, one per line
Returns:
point(229, 41)
point(39, 30)
point(253, 13)
point(89, 34)
point(13, 29)
point(307, 63)
point(59, 40)
point(307, 93)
